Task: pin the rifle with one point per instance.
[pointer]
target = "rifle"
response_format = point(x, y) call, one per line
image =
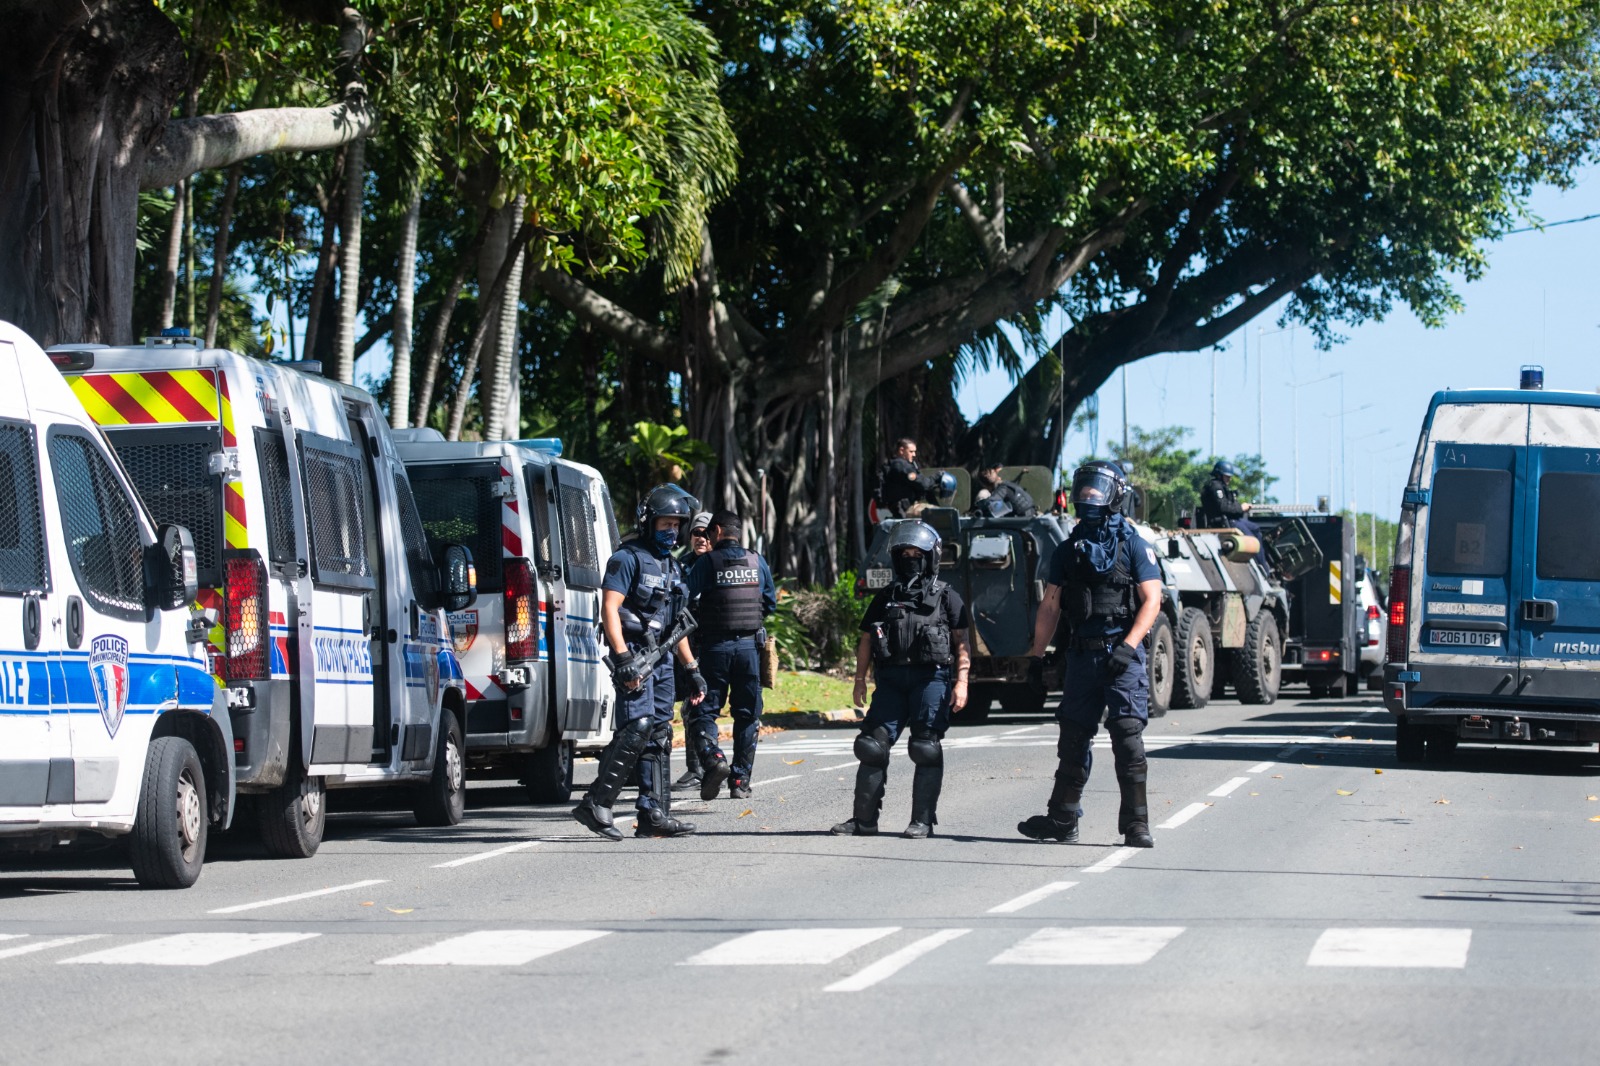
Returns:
point(655, 648)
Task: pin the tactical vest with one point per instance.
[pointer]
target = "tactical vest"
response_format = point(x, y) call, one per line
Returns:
point(915, 631)
point(1091, 594)
point(656, 597)
point(732, 601)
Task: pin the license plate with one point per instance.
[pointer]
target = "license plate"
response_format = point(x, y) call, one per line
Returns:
point(878, 577)
point(1471, 638)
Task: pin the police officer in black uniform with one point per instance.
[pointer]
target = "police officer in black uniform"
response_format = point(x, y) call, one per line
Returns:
point(900, 486)
point(641, 598)
point(1018, 500)
point(914, 633)
point(1105, 580)
point(733, 593)
point(699, 544)
point(1219, 502)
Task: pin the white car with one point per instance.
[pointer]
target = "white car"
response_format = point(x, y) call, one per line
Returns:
point(1369, 594)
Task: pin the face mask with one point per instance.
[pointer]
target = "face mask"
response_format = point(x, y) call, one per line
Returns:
point(907, 569)
point(1088, 512)
point(666, 539)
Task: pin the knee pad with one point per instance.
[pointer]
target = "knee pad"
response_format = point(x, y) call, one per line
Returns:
point(873, 748)
point(1127, 746)
point(1124, 728)
point(661, 735)
point(1074, 741)
point(926, 750)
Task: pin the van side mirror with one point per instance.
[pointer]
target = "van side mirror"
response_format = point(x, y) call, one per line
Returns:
point(458, 578)
point(173, 575)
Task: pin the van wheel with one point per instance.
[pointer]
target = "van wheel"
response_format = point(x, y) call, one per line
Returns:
point(1258, 666)
point(443, 800)
point(1160, 662)
point(1195, 660)
point(1409, 741)
point(293, 815)
point(547, 773)
point(170, 825)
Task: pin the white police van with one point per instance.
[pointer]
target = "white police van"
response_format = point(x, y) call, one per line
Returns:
point(1494, 617)
point(320, 597)
point(541, 529)
point(109, 720)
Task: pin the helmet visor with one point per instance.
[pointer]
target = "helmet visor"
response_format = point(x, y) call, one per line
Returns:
point(1096, 488)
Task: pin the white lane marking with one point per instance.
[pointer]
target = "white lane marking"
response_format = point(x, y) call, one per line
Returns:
point(892, 964)
point(1116, 858)
point(43, 945)
point(500, 947)
point(773, 780)
point(1019, 732)
point(1261, 767)
point(12, 936)
point(788, 947)
point(1432, 948)
point(841, 766)
point(1223, 790)
point(1182, 816)
point(480, 856)
point(1090, 945)
point(1028, 899)
point(236, 908)
point(192, 949)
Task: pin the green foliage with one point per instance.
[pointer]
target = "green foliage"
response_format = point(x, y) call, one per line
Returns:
point(795, 645)
point(668, 452)
point(832, 617)
point(1171, 475)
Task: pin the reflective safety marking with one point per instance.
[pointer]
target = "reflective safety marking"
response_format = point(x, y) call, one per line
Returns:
point(1335, 582)
point(1182, 816)
point(890, 965)
point(295, 898)
point(42, 945)
point(1028, 899)
point(1419, 948)
point(1116, 858)
point(501, 947)
point(191, 949)
point(789, 947)
point(1090, 945)
point(1223, 790)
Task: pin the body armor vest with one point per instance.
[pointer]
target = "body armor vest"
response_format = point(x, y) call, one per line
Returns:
point(732, 602)
point(1091, 594)
point(656, 597)
point(915, 630)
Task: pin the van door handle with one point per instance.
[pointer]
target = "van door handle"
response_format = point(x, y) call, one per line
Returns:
point(32, 622)
point(74, 621)
point(1542, 611)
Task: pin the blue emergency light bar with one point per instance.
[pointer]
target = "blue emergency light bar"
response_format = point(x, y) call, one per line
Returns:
point(1533, 377)
point(548, 445)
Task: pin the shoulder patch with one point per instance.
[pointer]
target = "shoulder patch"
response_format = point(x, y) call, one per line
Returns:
point(1151, 554)
point(613, 566)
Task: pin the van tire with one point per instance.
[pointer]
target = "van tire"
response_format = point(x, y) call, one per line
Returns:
point(1258, 666)
point(1161, 660)
point(168, 843)
point(547, 773)
point(1409, 741)
point(294, 815)
point(443, 800)
point(1194, 660)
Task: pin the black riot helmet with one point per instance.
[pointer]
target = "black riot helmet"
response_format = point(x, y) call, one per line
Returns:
point(914, 534)
point(665, 501)
point(1098, 489)
point(993, 507)
point(1223, 468)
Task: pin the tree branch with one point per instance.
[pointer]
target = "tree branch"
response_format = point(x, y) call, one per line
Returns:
point(994, 245)
point(208, 142)
point(611, 318)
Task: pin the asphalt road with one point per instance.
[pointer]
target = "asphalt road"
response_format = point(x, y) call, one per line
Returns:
point(1307, 901)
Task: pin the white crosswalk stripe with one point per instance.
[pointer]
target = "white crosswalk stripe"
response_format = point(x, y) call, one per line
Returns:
point(1399, 948)
point(788, 947)
point(499, 947)
point(191, 949)
point(1090, 945)
point(31, 946)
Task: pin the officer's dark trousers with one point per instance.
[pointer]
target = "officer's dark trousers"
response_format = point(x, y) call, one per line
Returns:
point(732, 669)
point(1087, 693)
point(913, 699)
point(651, 700)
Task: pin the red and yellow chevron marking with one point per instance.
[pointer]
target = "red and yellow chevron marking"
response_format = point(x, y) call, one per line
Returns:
point(168, 397)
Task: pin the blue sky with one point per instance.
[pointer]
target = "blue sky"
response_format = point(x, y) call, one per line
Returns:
point(1536, 304)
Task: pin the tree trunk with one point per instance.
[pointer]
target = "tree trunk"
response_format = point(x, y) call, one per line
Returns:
point(405, 299)
point(458, 410)
point(220, 252)
point(169, 271)
point(441, 322)
point(188, 256)
point(498, 371)
point(355, 176)
point(858, 483)
point(322, 279)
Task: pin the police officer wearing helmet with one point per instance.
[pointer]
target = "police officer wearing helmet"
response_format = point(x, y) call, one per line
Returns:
point(733, 593)
point(914, 633)
point(1105, 580)
point(699, 544)
point(901, 486)
point(1018, 500)
point(1220, 507)
point(642, 596)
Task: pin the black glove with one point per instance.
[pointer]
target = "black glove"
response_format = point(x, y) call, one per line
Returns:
point(1122, 657)
point(697, 682)
point(1036, 675)
point(625, 668)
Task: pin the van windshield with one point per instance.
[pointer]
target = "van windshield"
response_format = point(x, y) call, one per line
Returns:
point(1469, 522)
point(1568, 547)
point(458, 506)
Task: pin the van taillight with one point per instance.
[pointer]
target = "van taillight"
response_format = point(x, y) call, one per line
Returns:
point(244, 618)
point(521, 617)
point(1399, 599)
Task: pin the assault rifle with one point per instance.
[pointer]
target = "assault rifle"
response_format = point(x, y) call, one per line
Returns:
point(655, 648)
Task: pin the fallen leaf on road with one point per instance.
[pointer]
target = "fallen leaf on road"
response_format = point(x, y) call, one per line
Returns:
point(368, 903)
point(747, 812)
point(793, 762)
point(767, 827)
point(400, 910)
point(1596, 818)
point(1376, 771)
point(1277, 777)
point(1593, 798)
point(1255, 793)
point(1343, 792)
point(1517, 848)
point(1442, 800)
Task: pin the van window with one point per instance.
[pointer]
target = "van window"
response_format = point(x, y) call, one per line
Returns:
point(1568, 547)
point(577, 535)
point(424, 579)
point(1469, 522)
point(533, 476)
point(458, 506)
point(335, 503)
point(276, 495)
point(100, 526)
point(170, 468)
point(22, 562)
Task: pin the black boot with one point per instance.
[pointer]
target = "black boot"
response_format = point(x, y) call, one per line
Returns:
point(713, 772)
point(617, 765)
point(656, 822)
point(596, 818)
point(926, 785)
point(1133, 820)
point(1060, 825)
point(850, 828)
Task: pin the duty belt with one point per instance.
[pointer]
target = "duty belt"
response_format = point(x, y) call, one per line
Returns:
point(724, 634)
point(1091, 643)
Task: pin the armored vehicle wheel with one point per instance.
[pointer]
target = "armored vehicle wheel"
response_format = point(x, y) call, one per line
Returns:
point(1258, 666)
point(1195, 660)
point(1409, 741)
point(293, 816)
point(443, 800)
point(170, 825)
point(547, 773)
point(1160, 663)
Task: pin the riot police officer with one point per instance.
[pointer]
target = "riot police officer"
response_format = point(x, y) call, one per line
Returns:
point(1105, 579)
point(699, 544)
point(733, 593)
point(914, 633)
point(641, 599)
point(1219, 502)
point(902, 488)
point(1018, 500)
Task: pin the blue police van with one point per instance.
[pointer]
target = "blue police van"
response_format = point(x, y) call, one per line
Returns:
point(1494, 617)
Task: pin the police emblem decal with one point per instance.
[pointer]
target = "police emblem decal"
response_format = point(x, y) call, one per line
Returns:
point(108, 670)
point(463, 630)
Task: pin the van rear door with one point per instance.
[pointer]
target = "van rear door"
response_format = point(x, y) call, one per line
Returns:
point(576, 628)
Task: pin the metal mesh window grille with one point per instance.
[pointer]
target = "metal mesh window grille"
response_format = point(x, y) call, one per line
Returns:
point(176, 484)
point(611, 515)
point(100, 525)
point(335, 499)
point(533, 477)
point(577, 536)
point(277, 495)
point(22, 562)
point(458, 506)
point(418, 559)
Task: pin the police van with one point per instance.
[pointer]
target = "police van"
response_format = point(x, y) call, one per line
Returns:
point(109, 720)
point(321, 602)
point(1494, 617)
point(541, 529)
